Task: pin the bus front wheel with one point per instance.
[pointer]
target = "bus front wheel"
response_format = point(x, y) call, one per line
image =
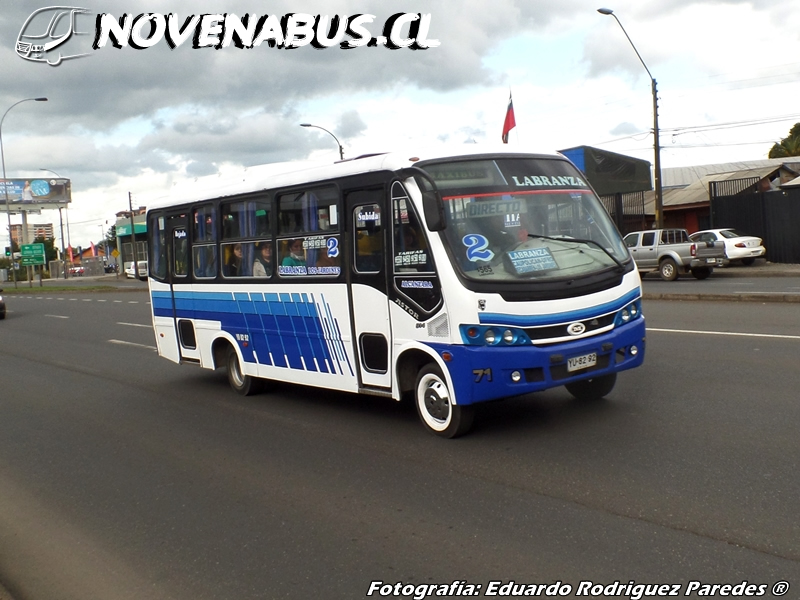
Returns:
point(435, 405)
point(245, 385)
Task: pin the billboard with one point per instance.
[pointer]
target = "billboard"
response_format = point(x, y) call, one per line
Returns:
point(34, 194)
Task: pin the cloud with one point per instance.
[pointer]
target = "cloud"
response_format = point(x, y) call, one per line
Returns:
point(125, 119)
point(625, 129)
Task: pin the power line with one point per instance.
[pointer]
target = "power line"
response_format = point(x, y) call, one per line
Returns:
point(730, 125)
point(703, 128)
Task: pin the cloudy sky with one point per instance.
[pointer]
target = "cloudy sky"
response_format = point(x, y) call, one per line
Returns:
point(125, 120)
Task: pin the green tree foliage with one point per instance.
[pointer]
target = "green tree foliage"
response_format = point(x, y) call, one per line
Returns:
point(788, 146)
point(50, 252)
point(111, 236)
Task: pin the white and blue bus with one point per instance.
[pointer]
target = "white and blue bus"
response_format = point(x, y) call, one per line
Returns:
point(454, 279)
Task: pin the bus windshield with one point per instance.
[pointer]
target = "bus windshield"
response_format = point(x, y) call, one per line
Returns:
point(525, 219)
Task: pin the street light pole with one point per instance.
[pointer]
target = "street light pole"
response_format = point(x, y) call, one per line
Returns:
point(659, 207)
point(341, 150)
point(5, 182)
point(61, 224)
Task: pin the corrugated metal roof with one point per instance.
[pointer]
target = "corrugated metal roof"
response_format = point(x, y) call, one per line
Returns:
point(684, 176)
point(698, 191)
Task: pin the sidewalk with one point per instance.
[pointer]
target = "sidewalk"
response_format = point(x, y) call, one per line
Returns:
point(761, 268)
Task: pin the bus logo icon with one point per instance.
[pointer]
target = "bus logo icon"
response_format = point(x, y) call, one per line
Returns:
point(44, 34)
point(576, 328)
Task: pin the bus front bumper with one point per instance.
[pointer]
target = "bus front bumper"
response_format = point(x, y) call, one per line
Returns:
point(483, 373)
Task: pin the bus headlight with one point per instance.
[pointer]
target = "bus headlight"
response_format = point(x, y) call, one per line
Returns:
point(482, 335)
point(629, 313)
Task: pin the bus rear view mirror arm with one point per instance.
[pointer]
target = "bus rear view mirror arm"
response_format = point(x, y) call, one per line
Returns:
point(432, 204)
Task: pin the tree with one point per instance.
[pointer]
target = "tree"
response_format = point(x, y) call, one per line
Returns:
point(788, 146)
point(111, 236)
point(50, 251)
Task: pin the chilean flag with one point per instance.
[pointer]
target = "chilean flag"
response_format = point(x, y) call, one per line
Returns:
point(509, 123)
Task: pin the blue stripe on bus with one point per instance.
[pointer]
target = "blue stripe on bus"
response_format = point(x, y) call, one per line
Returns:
point(285, 330)
point(564, 317)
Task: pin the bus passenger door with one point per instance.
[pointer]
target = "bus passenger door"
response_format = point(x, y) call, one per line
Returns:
point(177, 238)
point(367, 281)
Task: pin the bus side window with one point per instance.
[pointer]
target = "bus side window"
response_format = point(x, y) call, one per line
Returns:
point(204, 261)
point(410, 250)
point(245, 218)
point(369, 238)
point(158, 245)
point(180, 264)
point(311, 211)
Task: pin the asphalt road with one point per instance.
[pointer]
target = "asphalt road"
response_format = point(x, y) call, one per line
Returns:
point(125, 476)
point(782, 288)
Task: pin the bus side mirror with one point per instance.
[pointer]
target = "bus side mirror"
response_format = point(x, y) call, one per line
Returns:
point(433, 209)
point(432, 203)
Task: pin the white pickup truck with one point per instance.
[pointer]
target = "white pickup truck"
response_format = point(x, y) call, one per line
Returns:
point(671, 252)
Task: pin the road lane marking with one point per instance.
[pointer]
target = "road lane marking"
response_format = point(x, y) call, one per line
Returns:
point(732, 333)
point(124, 343)
point(57, 316)
point(133, 324)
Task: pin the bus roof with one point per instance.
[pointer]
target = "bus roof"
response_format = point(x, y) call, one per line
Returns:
point(276, 175)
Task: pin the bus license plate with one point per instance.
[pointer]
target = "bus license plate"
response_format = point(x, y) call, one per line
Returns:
point(582, 362)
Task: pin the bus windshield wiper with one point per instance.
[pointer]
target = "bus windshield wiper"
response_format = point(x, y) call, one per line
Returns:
point(580, 241)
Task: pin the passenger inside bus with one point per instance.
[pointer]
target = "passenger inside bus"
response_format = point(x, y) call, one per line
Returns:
point(296, 256)
point(262, 267)
point(233, 264)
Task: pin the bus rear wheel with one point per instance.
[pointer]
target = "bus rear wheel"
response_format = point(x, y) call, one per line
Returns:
point(594, 388)
point(435, 406)
point(246, 385)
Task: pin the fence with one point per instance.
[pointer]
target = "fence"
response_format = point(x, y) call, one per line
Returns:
point(772, 216)
point(627, 211)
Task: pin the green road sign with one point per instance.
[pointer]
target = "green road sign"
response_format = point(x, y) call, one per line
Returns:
point(32, 254)
point(32, 249)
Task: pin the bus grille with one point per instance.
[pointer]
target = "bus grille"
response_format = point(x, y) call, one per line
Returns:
point(538, 334)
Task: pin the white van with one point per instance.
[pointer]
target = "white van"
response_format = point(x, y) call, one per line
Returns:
point(130, 274)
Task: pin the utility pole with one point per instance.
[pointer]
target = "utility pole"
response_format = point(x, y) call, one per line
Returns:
point(133, 238)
